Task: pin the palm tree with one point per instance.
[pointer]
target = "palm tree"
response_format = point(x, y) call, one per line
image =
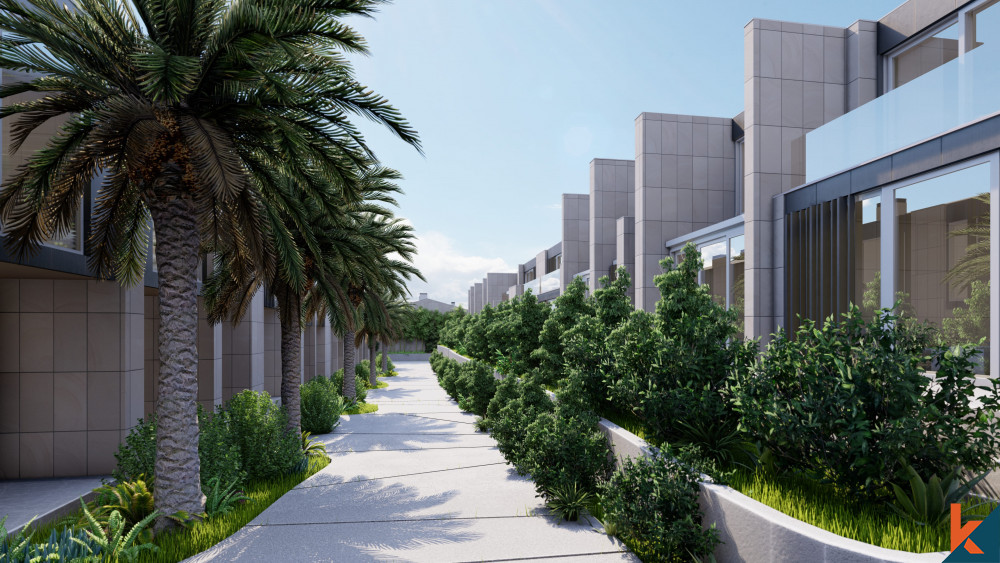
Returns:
point(380, 324)
point(370, 288)
point(193, 110)
point(323, 247)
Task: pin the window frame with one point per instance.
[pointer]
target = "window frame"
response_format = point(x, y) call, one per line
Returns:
point(889, 225)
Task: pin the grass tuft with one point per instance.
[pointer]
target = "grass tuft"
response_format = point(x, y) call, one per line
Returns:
point(361, 408)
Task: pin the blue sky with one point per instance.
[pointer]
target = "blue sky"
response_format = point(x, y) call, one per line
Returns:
point(513, 98)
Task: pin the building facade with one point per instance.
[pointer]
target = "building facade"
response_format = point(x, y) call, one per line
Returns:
point(863, 170)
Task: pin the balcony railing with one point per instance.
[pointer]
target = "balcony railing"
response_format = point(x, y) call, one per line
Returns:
point(955, 94)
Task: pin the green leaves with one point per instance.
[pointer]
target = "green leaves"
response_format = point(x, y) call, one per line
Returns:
point(166, 78)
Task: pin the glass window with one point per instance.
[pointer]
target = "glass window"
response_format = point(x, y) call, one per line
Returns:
point(867, 256)
point(737, 257)
point(529, 275)
point(985, 26)
point(942, 254)
point(925, 56)
point(740, 176)
point(713, 270)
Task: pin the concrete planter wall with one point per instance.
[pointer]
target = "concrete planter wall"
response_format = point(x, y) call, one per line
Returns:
point(409, 357)
point(752, 531)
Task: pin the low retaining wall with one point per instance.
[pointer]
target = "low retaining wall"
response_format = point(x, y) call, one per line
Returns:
point(409, 357)
point(752, 531)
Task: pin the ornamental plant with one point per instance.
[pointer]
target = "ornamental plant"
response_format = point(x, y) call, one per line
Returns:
point(850, 402)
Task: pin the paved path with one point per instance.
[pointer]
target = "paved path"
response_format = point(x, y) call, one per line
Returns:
point(23, 500)
point(414, 482)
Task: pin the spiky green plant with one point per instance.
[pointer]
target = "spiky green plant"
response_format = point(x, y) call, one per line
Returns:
point(120, 541)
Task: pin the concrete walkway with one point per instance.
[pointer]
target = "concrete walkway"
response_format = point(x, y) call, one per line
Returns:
point(414, 482)
point(43, 499)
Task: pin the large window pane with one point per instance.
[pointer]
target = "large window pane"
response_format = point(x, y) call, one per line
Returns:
point(925, 56)
point(867, 255)
point(737, 256)
point(713, 272)
point(942, 253)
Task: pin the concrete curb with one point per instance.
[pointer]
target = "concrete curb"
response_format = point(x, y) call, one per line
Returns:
point(56, 513)
point(751, 530)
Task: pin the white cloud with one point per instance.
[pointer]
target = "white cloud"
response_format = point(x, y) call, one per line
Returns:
point(449, 274)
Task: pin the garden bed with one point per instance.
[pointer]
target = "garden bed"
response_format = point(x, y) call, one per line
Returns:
point(750, 530)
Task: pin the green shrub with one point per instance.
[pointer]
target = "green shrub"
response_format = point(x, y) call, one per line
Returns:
point(218, 454)
point(449, 378)
point(476, 343)
point(321, 406)
point(360, 384)
point(514, 332)
point(565, 448)
point(515, 405)
point(849, 402)
point(452, 332)
point(218, 449)
point(475, 386)
point(653, 504)
point(266, 448)
point(136, 457)
point(391, 367)
point(673, 365)
point(361, 370)
point(570, 307)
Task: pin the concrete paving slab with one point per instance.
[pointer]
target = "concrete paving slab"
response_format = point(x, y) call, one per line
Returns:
point(400, 423)
point(21, 501)
point(351, 466)
point(414, 482)
point(432, 541)
point(367, 442)
point(475, 491)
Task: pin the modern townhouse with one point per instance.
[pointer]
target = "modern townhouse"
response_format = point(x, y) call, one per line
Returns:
point(864, 169)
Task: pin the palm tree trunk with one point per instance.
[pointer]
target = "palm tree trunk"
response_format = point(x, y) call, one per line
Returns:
point(385, 357)
point(349, 388)
point(291, 342)
point(372, 378)
point(177, 469)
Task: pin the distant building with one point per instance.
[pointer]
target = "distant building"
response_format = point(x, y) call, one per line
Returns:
point(430, 304)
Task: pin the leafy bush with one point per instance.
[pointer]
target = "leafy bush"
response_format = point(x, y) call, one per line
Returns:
point(266, 447)
point(360, 384)
point(476, 342)
point(570, 308)
point(515, 330)
point(515, 405)
point(849, 402)
point(449, 377)
point(321, 406)
point(391, 367)
point(653, 504)
point(452, 332)
point(673, 365)
point(475, 386)
point(218, 449)
point(565, 448)
point(218, 454)
point(136, 457)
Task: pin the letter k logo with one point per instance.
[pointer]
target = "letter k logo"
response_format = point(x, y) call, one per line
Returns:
point(960, 533)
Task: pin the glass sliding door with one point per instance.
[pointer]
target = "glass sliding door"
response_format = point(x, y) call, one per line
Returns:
point(943, 254)
point(713, 270)
point(866, 291)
